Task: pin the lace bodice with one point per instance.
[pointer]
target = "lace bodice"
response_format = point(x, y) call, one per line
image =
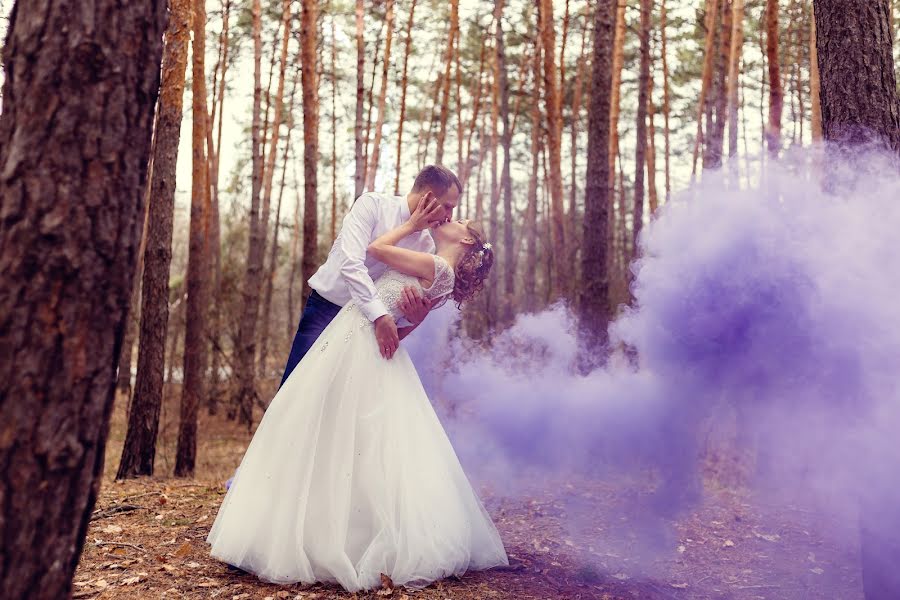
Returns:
point(390, 285)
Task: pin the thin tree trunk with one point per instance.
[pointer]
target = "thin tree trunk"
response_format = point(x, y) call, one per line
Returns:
point(278, 117)
point(509, 267)
point(466, 169)
point(562, 269)
point(215, 391)
point(652, 195)
point(79, 92)
point(734, 69)
point(266, 313)
point(530, 225)
point(776, 92)
point(245, 350)
point(712, 10)
point(143, 418)
point(666, 104)
point(334, 155)
point(618, 61)
point(595, 304)
point(403, 84)
point(310, 140)
point(577, 95)
point(196, 347)
point(382, 97)
point(445, 82)
point(359, 177)
point(640, 154)
point(371, 102)
point(814, 84)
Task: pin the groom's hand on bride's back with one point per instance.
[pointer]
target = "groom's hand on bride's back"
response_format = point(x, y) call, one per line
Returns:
point(414, 305)
point(387, 336)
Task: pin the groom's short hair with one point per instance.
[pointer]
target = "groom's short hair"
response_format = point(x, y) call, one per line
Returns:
point(436, 178)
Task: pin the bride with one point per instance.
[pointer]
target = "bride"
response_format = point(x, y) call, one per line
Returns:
point(350, 475)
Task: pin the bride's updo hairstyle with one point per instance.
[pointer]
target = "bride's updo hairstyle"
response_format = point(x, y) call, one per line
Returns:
point(473, 267)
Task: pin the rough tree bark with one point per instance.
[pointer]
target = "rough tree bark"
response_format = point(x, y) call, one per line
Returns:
point(854, 53)
point(143, 418)
point(594, 305)
point(854, 47)
point(196, 346)
point(79, 92)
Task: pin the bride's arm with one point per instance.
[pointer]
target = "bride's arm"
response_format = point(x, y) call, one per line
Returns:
point(411, 262)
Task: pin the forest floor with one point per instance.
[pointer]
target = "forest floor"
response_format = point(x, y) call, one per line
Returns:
point(147, 540)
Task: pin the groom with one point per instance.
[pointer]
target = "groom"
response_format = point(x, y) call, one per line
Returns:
point(348, 273)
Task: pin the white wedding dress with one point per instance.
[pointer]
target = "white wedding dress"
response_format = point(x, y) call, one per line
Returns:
point(350, 474)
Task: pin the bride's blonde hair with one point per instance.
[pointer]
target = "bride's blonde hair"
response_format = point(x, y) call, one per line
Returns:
point(473, 267)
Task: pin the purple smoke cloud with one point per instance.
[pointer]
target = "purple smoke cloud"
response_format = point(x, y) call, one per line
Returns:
point(780, 301)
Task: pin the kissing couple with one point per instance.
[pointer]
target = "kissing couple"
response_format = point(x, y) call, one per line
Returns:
point(350, 477)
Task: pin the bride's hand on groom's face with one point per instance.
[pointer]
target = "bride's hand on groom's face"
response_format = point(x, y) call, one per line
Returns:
point(428, 213)
point(414, 306)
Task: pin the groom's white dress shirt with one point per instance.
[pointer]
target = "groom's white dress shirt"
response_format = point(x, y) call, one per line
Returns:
point(349, 272)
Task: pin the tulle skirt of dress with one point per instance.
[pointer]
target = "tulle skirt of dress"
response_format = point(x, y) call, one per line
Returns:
point(350, 474)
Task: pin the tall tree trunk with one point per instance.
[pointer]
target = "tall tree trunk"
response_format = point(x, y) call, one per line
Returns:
point(509, 266)
point(814, 84)
point(477, 94)
point(196, 346)
point(652, 195)
point(618, 62)
point(371, 104)
point(562, 269)
point(595, 304)
point(666, 104)
point(215, 238)
point(308, 20)
point(266, 313)
point(776, 92)
point(359, 177)
point(372, 168)
point(79, 92)
point(269, 172)
point(445, 82)
point(245, 350)
point(712, 10)
point(334, 154)
point(143, 418)
point(734, 71)
point(577, 94)
point(530, 225)
point(717, 106)
point(641, 127)
point(403, 82)
point(123, 377)
point(848, 116)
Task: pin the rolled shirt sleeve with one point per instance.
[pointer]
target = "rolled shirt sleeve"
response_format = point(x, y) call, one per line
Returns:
point(355, 237)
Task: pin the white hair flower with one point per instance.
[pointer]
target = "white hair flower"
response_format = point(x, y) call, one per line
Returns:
point(487, 246)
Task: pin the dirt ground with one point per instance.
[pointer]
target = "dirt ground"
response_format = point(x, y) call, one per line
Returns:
point(147, 540)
